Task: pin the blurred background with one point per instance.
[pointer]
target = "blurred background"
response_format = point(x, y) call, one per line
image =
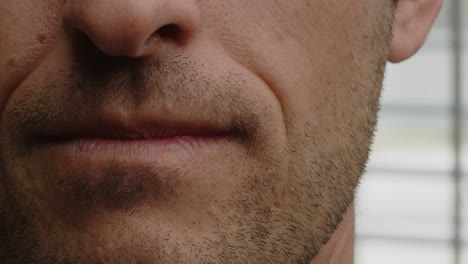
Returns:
point(412, 204)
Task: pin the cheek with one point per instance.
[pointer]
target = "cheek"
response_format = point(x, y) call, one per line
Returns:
point(28, 31)
point(295, 46)
point(325, 72)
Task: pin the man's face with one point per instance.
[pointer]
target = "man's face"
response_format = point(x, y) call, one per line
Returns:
point(184, 131)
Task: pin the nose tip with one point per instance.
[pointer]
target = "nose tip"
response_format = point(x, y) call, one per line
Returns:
point(133, 28)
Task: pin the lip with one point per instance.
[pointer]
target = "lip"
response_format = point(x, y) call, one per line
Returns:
point(162, 142)
point(157, 151)
point(92, 161)
point(131, 130)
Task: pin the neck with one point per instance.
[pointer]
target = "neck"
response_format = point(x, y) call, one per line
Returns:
point(340, 247)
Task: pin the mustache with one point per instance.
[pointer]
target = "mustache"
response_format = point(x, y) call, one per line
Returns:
point(180, 86)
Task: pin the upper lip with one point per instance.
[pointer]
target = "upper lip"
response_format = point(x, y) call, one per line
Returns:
point(132, 128)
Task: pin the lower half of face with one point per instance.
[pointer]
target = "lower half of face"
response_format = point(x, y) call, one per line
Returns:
point(264, 179)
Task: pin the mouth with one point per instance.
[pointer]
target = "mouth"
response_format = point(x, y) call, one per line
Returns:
point(156, 141)
point(100, 160)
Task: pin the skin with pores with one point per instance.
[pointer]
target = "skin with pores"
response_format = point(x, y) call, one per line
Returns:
point(186, 131)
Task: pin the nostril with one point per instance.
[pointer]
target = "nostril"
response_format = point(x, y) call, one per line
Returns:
point(169, 32)
point(81, 41)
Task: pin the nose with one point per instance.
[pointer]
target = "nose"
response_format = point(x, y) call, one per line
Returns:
point(133, 28)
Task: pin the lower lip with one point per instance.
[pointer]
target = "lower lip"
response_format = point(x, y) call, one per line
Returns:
point(155, 150)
